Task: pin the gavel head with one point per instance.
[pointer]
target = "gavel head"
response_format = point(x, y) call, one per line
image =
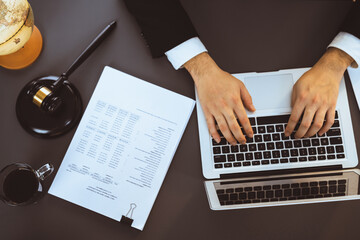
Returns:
point(45, 99)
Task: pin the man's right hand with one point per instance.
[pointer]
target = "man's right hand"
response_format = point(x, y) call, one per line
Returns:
point(222, 99)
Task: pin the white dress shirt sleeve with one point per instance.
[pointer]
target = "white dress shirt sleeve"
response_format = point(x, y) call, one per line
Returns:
point(182, 53)
point(349, 44)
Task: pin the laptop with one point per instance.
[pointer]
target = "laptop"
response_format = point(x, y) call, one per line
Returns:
point(271, 169)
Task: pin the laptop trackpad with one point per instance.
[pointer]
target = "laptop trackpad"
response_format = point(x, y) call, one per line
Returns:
point(270, 92)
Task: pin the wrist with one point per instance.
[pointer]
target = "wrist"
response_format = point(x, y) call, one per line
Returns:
point(336, 60)
point(200, 65)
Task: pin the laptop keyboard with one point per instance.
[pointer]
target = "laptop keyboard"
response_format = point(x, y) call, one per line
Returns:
point(270, 146)
point(282, 192)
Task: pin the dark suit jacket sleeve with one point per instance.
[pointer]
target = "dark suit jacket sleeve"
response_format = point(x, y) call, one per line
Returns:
point(164, 23)
point(352, 22)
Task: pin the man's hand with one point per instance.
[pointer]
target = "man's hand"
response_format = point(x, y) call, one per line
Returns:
point(315, 94)
point(222, 99)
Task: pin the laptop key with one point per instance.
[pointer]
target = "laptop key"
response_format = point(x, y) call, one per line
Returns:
point(261, 146)
point(249, 156)
point(339, 149)
point(276, 154)
point(331, 157)
point(267, 154)
point(287, 192)
point(267, 187)
point(285, 153)
point(283, 137)
point(276, 137)
point(243, 148)
point(220, 191)
point(293, 160)
point(237, 164)
point(260, 194)
point(269, 194)
point(231, 158)
point(234, 149)
point(225, 149)
point(219, 158)
point(296, 192)
point(312, 158)
point(303, 151)
point(279, 145)
point(340, 156)
point(242, 195)
point(274, 161)
point(332, 189)
point(251, 195)
point(306, 143)
point(258, 155)
point(223, 197)
point(265, 162)
point(278, 193)
point(218, 165)
point(341, 188)
point(334, 132)
point(342, 181)
point(324, 141)
point(315, 142)
point(216, 150)
point(332, 182)
point(247, 163)
point(284, 160)
point(239, 189)
point(297, 143)
point(252, 147)
point(312, 151)
point(336, 124)
point(227, 165)
point(273, 119)
point(330, 149)
point(240, 157)
point(302, 159)
point(234, 196)
point(321, 150)
point(267, 137)
point(270, 128)
point(270, 146)
point(288, 144)
point(249, 140)
point(294, 152)
point(261, 129)
point(279, 128)
point(255, 163)
point(258, 138)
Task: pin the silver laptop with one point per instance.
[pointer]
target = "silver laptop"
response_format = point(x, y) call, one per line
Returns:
point(271, 169)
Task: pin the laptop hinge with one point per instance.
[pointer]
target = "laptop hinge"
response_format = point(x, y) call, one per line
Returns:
point(281, 172)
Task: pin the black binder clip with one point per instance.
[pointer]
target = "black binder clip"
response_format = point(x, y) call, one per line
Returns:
point(128, 219)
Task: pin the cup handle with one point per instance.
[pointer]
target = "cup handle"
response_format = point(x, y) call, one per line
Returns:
point(45, 171)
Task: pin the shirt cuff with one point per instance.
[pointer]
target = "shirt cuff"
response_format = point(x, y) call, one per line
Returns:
point(349, 44)
point(182, 53)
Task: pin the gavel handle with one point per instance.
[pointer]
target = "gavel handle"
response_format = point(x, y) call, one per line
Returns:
point(85, 54)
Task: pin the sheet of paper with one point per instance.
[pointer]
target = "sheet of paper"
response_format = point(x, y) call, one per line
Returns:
point(123, 147)
point(354, 74)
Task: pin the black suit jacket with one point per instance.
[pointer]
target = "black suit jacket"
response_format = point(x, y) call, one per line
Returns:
point(165, 24)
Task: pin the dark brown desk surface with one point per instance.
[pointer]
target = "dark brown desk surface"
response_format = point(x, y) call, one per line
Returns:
point(242, 36)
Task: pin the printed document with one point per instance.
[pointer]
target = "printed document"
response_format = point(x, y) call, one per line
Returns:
point(123, 147)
